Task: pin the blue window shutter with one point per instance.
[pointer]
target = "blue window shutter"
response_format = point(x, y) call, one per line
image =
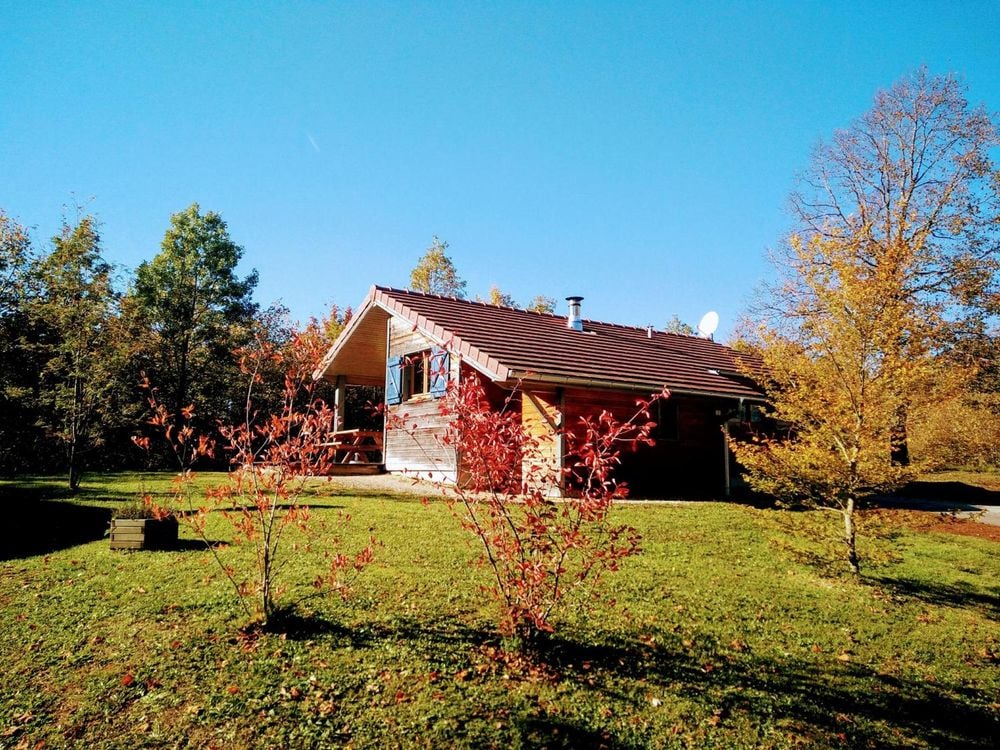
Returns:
point(394, 381)
point(439, 364)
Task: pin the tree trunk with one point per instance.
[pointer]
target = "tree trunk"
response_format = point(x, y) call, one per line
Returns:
point(900, 446)
point(74, 469)
point(849, 537)
point(266, 605)
point(180, 397)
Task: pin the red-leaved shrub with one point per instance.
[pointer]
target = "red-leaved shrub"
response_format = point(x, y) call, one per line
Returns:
point(273, 455)
point(545, 530)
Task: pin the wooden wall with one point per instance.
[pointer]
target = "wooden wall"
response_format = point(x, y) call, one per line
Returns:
point(417, 450)
point(690, 464)
point(541, 418)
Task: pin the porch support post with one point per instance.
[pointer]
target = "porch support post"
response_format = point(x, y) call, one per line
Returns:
point(339, 400)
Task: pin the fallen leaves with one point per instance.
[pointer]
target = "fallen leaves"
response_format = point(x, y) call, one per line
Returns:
point(18, 723)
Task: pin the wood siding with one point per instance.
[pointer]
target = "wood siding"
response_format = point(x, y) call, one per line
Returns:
point(417, 450)
point(685, 462)
point(541, 418)
point(688, 464)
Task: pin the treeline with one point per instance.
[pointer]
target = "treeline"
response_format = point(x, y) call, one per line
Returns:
point(78, 337)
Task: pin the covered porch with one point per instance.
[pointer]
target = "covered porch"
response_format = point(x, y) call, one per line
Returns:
point(354, 372)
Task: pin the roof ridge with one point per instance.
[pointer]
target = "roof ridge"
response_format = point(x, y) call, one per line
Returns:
point(481, 303)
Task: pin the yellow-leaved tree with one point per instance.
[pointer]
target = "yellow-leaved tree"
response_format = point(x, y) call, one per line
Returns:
point(916, 182)
point(846, 354)
point(888, 287)
point(435, 273)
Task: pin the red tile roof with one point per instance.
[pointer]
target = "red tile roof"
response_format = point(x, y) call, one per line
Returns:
point(509, 343)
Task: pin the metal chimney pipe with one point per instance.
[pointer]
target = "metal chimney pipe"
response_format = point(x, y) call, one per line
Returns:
point(575, 319)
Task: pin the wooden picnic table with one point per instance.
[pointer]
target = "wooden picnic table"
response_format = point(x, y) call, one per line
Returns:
point(349, 446)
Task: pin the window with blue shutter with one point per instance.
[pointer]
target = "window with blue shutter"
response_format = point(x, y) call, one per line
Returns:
point(439, 367)
point(394, 381)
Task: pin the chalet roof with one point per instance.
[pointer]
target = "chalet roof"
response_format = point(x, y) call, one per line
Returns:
point(509, 344)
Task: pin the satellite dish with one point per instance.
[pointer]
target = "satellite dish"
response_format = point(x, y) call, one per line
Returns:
point(708, 323)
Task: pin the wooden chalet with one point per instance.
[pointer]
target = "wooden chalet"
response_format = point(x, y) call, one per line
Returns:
point(560, 369)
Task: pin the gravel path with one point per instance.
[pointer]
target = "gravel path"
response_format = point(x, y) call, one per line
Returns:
point(378, 484)
point(393, 484)
point(974, 512)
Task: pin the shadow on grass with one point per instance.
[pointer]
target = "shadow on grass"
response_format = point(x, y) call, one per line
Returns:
point(427, 637)
point(551, 733)
point(831, 699)
point(36, 488)
point(957, 495)
point(42, 516)
point(296, 626)
point(951, 595)
point(822, 700)
point(39, 527)
point(819, 700)
point(448, 641)
point(36, 523)
point(393, 495)
point(195, 545)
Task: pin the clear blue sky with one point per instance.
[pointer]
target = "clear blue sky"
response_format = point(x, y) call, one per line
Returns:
point(637, 154)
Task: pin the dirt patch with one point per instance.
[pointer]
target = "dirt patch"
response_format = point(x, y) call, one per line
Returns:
point(965, 527)
point(944, 523)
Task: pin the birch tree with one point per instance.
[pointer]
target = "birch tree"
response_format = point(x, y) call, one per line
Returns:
point(847, 355)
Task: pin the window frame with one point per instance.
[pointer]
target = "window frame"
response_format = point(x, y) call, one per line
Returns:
point(415, 375)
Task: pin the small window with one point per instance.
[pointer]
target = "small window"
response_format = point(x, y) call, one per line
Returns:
point(415, 374)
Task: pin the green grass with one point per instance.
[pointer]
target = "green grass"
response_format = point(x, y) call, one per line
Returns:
point(729, 631)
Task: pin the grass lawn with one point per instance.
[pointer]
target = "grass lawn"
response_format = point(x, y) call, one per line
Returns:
point(730, 630)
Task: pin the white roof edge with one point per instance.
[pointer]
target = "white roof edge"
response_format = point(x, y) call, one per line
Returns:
point(373, 300)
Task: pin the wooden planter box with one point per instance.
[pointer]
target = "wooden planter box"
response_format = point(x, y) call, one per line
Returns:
point(143, 533)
